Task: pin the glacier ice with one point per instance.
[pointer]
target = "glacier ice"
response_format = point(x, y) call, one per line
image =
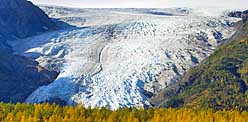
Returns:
point(121, 57)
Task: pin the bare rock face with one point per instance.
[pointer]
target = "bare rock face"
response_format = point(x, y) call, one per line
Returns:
point(239, 14)
point(20, 19)
point(20, 76)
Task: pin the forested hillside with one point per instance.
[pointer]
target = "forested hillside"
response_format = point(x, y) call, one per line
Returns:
point(220, 82)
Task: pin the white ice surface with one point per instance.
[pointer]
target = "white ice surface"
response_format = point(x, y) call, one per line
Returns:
point(115, 57)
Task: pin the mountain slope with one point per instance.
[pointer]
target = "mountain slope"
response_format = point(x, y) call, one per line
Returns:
point(20, 76)
point(220, 82)
point(20, 19)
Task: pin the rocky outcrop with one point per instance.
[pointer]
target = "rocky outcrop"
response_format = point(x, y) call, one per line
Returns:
point(20, 19)
point(239, 14)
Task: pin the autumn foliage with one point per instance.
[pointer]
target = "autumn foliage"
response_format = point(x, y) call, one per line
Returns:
point(55, 113)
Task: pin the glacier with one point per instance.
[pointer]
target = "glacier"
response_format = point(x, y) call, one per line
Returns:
point(121, 57)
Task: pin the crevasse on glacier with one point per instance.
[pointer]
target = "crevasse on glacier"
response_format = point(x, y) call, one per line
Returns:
point(121, 57)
